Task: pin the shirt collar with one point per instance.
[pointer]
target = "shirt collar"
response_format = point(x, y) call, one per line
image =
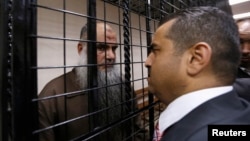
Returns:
point(184, 104)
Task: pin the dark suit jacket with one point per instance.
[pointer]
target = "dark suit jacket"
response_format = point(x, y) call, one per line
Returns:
point(242, 86)
point(242, 74)
point(224, 109)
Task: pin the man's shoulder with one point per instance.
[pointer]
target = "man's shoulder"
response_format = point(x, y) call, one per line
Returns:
point(230, 109)
point(242, 81)
point(60, 79)
point(53, 86)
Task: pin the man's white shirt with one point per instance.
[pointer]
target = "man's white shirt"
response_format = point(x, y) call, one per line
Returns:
point(184, 104)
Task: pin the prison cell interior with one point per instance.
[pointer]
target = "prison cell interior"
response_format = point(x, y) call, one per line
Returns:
point(39, 43)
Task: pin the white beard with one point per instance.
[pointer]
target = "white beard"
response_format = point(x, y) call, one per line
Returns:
point(82, 72)
point(111, 95)
point(111, 90)
point(110, 77)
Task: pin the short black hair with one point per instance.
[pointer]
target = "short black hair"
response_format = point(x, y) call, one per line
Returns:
point(213, 26)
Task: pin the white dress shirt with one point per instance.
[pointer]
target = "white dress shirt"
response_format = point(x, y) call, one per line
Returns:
point(184, 104)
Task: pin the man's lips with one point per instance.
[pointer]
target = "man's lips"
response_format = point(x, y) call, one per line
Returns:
point(106, 65)
point(109, 65)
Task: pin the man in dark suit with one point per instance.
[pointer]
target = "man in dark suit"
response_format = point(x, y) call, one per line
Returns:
point(192, 66)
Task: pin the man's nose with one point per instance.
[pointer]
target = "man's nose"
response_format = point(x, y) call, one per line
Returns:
point(148, 62)
point(110, 54)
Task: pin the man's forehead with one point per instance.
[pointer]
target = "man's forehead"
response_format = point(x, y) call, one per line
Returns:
point(108, 35)
point(104, 27)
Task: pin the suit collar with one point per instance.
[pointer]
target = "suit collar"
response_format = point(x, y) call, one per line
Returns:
point(183, 105)
point(213, 111)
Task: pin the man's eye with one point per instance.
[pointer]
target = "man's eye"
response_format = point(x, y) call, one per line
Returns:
point(152, 48)
point(243, 41)
point(101, 48)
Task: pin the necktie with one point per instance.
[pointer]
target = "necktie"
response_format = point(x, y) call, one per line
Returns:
point(157, 133)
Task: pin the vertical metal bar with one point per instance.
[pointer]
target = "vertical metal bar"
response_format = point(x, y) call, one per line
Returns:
point(106, 77)
point(18, 83)
point(21, 81)
point(126, 46)
point(142, 73)
point(18, 69)
point(64, 63)
point(3, 71)
point(31, 58)
point(126, 35)
point(64, 43)
point(172, 9)
point(150, 95)
point(92, 59)
point(162, 8)
point(6, 69)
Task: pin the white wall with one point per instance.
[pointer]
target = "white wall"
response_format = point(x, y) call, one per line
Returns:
point(51, 24)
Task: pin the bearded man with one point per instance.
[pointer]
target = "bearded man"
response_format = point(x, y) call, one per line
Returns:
point(63, 108)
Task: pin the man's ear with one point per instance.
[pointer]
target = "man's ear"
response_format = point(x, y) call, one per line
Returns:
point(199, 57)
point(79, 48)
